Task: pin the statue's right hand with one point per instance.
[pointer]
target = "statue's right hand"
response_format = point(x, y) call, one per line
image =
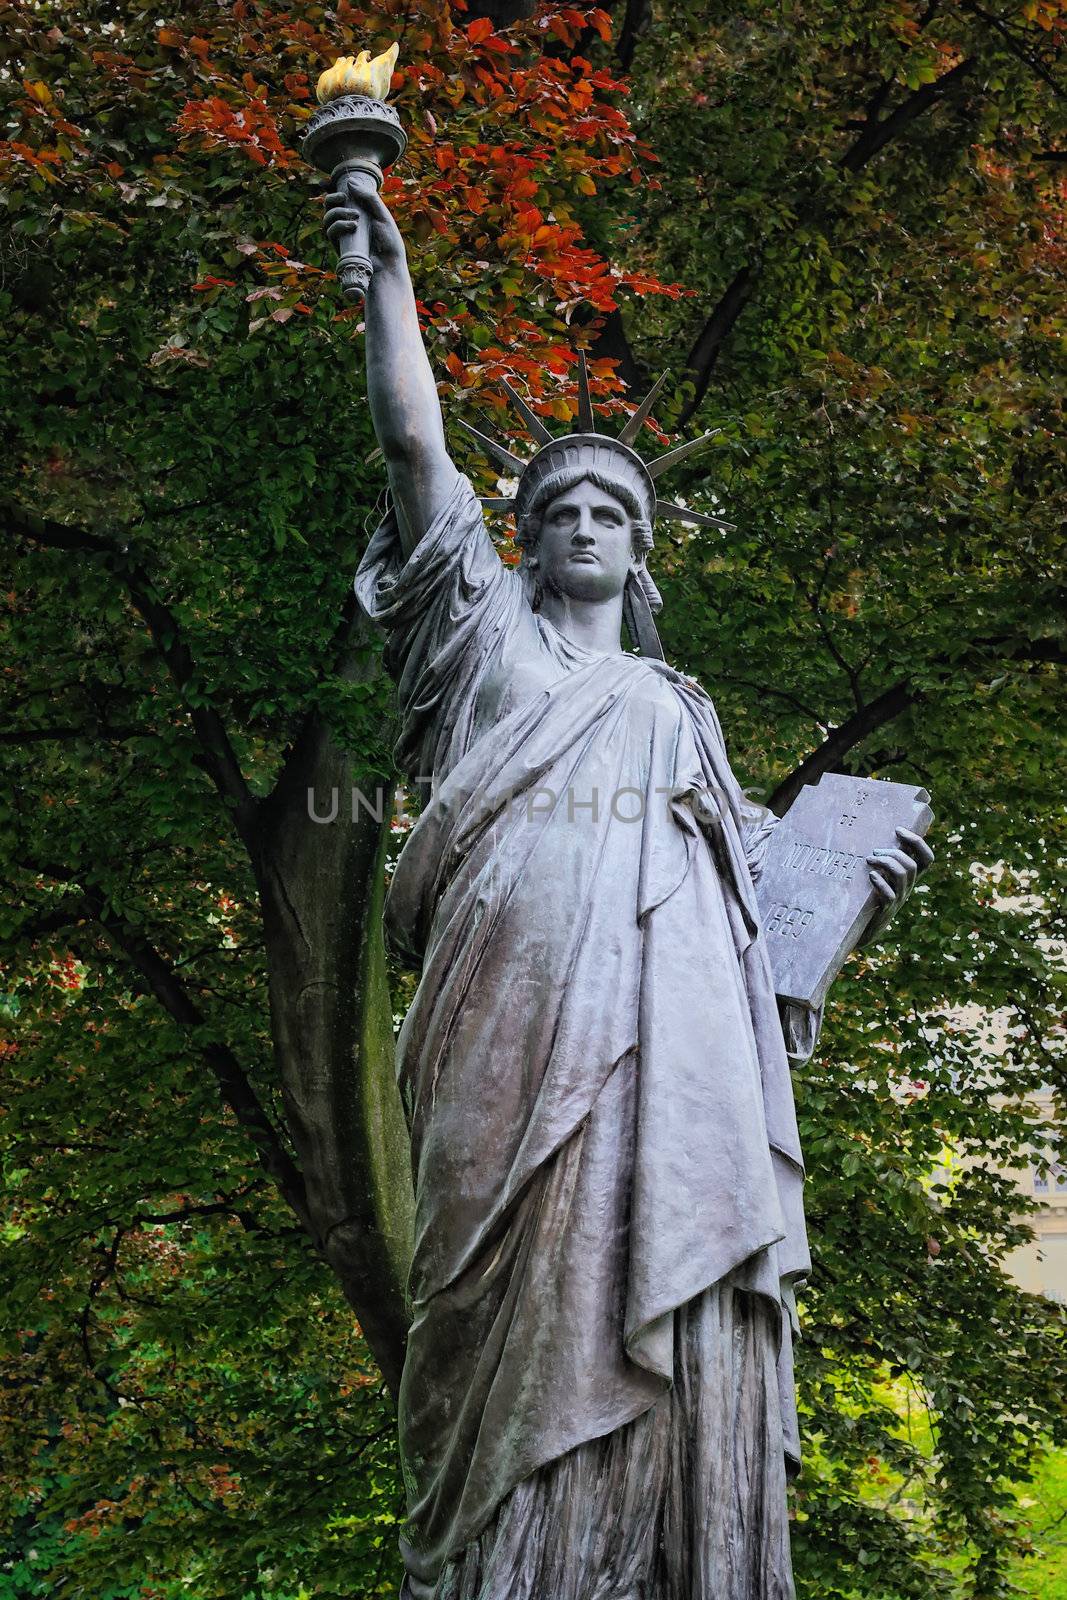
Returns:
point(359, 198)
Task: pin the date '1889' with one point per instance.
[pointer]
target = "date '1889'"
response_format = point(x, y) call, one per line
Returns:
point(787, 920)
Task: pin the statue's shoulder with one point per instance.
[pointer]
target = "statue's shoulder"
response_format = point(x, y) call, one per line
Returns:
point(689, 690)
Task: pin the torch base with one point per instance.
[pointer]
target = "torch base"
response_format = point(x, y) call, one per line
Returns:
point(353, 127)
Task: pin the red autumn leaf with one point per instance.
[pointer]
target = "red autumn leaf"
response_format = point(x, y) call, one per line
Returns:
point(492, 83)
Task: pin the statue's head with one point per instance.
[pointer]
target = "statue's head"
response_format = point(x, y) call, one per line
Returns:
point(594, 489)
point(584, 533)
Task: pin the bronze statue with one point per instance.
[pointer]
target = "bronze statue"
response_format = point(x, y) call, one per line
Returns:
point(597, 1402)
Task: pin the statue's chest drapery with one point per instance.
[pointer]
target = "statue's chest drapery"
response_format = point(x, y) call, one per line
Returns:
point(521, 670)
point(588, 764)
point(533, 662)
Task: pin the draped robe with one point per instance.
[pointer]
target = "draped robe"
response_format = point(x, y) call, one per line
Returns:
point(603, 1136)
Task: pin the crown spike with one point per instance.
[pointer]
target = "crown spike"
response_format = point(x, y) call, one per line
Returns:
point(671, 457)
point(633, 425)
point(586, 423)
point(497, 451)
point(533, 422)
point(672, 513)
point(498, 502)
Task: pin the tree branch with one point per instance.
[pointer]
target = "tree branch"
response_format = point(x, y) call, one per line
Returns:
point(634, 24)
point(64, 917)
point(875, 133)
point(611, 343)
point(700, 363)
point(1018, 50)
point(766, 691)
point(219, 760)
point(897, 699)
point(875, 714)
point(236, 1091)
point(214, 1208)
point(313, 733)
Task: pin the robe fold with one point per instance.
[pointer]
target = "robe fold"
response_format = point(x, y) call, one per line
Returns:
point(593, 1068)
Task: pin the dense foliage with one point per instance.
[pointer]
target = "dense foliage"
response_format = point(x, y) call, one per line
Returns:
point(844, 223)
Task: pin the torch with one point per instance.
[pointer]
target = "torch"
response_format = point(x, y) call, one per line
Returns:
point(355, 131)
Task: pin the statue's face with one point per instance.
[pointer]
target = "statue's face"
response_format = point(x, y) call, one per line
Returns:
point(586, 547)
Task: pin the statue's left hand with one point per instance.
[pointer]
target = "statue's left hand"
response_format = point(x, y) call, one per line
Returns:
point(893, 874)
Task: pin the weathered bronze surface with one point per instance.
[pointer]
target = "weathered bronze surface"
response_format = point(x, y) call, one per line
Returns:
point(597, 1401)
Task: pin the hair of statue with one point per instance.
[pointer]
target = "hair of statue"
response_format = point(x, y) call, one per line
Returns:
point(528, 530)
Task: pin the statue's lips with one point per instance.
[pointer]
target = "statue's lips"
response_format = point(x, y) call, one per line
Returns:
point(584, 555)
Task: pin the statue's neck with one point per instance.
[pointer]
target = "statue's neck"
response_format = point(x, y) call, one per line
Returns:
point(591, 624)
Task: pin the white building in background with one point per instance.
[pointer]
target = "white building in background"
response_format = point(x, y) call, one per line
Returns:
point(1041, 1266)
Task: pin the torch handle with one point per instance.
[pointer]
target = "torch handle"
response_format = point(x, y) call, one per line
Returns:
point(354, 267)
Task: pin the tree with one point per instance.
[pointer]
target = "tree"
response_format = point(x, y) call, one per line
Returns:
point(870, 300)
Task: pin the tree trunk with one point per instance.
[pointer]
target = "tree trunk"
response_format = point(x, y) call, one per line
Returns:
point(321, 886)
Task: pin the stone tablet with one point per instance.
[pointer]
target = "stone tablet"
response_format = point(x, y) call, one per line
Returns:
point(815, 894)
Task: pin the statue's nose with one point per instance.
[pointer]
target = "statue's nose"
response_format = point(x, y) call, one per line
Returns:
point(583, 533)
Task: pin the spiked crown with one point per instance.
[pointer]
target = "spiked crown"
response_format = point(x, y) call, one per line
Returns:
point(612, 455)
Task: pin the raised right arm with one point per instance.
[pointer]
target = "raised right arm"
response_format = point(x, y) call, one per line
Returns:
point(403, 395)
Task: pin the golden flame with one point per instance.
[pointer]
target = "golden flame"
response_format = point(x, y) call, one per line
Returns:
point(358, 75)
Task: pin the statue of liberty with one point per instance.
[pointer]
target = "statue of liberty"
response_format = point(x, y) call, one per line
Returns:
point(597, 1401)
